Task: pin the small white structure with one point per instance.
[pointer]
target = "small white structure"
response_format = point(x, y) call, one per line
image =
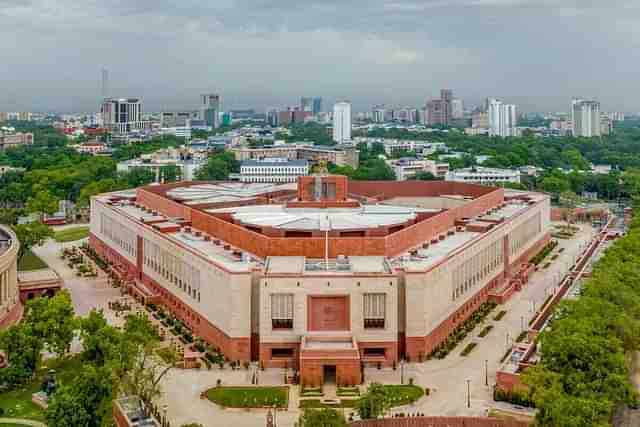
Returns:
point(484, 176)
point(406, 168)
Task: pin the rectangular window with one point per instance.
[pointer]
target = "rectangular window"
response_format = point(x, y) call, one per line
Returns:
point(374, 310)
point(282, 311)
point(281, 353)
point(374, 352)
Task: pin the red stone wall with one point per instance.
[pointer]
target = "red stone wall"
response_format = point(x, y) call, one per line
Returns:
point(328, 313)
point(508, 381)
point(280, 362)
point(347, 371)
point(391, 353)
point(387, 189)
point(440, 422)
point(162, 204)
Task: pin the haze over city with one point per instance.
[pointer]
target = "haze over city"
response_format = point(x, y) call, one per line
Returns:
point(262, 54)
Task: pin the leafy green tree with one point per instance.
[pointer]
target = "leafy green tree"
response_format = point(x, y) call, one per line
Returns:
point(327, 417)
point(52, 320)
point(42, 203)
point(97, 187)
point(218, 167)
point(423, 176)
point(9, 216)
point(23, 350)
point(84, 401)
point(555, 185)
point(374, 170)
point(137, 177)
point(375, 402)
point(30, 235)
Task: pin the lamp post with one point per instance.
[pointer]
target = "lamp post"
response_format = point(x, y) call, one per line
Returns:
point(468, 393)
point(486, 372)
point(402, 371)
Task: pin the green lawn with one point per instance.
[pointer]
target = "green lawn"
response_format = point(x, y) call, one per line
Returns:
point(399, 394)
point(31, 261)
point(11, 425)
point(249, 397)
point(17, 403)
point(71, 234)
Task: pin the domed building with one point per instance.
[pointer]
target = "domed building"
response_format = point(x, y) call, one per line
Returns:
point(10, 307)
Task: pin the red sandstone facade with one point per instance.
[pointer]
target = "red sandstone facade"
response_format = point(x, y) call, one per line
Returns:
point(253, 291)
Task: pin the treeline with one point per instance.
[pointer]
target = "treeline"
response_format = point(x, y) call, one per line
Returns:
point(583, 376)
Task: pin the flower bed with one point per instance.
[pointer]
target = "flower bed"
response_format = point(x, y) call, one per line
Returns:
point(249, 397)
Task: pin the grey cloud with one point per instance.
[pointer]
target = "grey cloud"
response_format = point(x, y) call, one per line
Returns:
point(537, 53)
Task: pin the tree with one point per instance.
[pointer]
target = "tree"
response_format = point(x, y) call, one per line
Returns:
point(85, 401)
point(23, 350)
point(327, 417)
point(52, 320)
point(137, 177)
point(374, 170)
point(555, 185)
point(218, 167)
point(43, 203)
point(423, 176)
point(374, 403)
point(30, 235)
point(97, 187)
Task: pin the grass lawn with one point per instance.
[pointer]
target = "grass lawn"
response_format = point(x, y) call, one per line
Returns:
point(11, 425)
point(399, 395)
point(31, 261)
point(249, 397)
point(71, 234)
point(404, 394)
point(17, 403)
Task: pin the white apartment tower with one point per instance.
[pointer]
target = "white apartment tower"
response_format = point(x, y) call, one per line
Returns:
point(586, 118)
point(342, 122)
point(122, 115)
point(502, 118)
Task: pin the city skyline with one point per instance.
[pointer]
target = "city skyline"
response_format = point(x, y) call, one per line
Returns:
point(405, 52)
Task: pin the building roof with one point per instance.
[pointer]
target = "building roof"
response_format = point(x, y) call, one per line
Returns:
point(273, 162)
point(223, 192)
point(282, 217)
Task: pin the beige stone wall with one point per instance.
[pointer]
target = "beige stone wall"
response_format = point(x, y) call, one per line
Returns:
point(327, 285)
point(9, 294)
point(430, 296)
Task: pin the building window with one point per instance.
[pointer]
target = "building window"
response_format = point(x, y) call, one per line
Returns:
point(277, 353)
point(374, 352)
point(374, 310)
point(282, 311)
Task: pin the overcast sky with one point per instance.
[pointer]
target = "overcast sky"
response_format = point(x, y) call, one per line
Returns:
point(259, 53)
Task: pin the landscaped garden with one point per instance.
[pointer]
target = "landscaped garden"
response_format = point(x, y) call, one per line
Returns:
point(31, 261)
point(395, 395)
point(71, 234)
point(249, 397)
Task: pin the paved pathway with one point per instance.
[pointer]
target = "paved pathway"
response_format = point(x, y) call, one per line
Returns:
point(86, 293)
point(22, 422)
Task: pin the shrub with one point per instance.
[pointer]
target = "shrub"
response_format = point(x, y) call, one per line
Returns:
point(521, 398)
point(485, 331)
point(468, 349)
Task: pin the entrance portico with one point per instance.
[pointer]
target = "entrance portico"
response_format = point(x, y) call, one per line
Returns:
point(325, 359)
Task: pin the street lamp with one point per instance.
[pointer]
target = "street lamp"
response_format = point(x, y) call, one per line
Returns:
point(402, 371)
point(486, 372)
point(468, 393)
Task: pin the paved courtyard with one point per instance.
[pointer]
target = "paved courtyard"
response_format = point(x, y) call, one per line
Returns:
point(86, 292)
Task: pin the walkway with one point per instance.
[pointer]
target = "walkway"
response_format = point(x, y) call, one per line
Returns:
point(22, 422)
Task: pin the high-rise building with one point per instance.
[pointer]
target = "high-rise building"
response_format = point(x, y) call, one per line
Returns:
point(586, 118)
point(439, 110)
point(342, 122)
point(210, 106)
point(122, 115)
point(311, 104)
point(502, 119)
point(378, 115)
point(457, 109)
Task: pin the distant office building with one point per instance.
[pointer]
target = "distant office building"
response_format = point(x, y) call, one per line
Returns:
point(311, 104)
point(407, 168)
point(178, 131)
point(175, 119)
point(457, 109)
point(484, 176)
point(586, 118)
point(480, 120)
point(346, 155)
point(342, 122)
point(378, 114)
point(606, 125)
point(273, 171)
point(4, 116)
point(9, 138)
point(502, 119)
point(187, 160)
point(210, 105)
point(439, 110)
point(226, 118)
point(122, 116)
